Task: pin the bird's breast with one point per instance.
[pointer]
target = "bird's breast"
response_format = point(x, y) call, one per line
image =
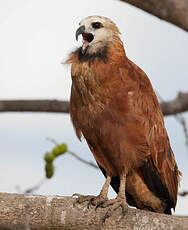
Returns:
point(90, 85)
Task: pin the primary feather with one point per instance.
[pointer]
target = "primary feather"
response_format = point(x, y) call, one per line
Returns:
point(113, 105)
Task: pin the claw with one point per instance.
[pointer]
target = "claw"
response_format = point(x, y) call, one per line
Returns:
point(76, 194)
point(90, 203)
point(73, 195)
point(115, 204)
point(76, 201)
point(105, 217)
point(124, 210)
point(83, 198)
point(99, 204)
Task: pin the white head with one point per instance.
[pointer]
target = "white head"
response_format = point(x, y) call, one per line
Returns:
point(97, 32)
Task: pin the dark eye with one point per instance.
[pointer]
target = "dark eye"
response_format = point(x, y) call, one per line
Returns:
point(96, 25)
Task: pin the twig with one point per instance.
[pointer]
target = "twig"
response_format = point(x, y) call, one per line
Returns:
point(52, 140)
point(35, 187)
point(31, 189)
point(182, 121)
point(184, 193)
point(179, 117)
point(74, 154)
point(83, 161)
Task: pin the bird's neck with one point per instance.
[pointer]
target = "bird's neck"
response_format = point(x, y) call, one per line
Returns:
point(116, 53)
point(111, 53)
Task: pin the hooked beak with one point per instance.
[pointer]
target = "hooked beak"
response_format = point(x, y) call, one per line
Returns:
point(79, 31)
point(87, 38)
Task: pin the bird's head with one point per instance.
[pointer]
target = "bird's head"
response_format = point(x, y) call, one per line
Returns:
point(96, 32)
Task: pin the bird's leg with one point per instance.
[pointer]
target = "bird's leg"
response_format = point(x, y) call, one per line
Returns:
point(119, 201)
point(95, 200)
point(103, 196)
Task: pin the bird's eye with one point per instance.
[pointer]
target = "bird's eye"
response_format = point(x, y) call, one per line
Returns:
point(96, 25)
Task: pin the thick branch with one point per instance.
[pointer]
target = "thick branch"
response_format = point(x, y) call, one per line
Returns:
point(173, 11)
point(51, 106)
point(178, 105)
point(28, 212)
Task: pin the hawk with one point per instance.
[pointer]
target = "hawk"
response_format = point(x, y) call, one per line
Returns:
point(114, 106)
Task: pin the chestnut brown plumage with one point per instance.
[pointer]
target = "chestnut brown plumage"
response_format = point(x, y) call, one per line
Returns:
point(113, 105)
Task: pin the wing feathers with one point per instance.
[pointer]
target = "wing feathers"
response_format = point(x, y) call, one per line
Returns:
point(160, 172)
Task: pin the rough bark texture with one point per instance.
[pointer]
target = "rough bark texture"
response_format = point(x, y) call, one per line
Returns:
point(173, 11)
point(28, 212)
point(178, 105)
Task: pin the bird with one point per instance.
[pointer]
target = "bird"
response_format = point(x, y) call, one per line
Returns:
point(114, 107)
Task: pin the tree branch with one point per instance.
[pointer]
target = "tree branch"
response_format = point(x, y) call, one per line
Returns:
point(184, 193)
point(28, 212)
point(51, 106)
point(173, 11)
point(178, 105)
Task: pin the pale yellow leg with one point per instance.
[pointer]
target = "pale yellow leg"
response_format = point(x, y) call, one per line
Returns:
point(95, 200)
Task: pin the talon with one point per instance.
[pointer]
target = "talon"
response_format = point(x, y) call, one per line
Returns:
point(76, 194)
point(124, 210)
point(114, 204)
point(76, 201)
point(105, 217)
point(83, 198)
point(99, 204)
point(90, 203)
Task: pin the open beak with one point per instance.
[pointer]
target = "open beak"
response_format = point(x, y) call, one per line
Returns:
point(79, 31)
point(87, 38)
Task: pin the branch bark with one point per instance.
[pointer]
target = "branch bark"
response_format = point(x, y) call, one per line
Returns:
point(51, 106)
point(178, 105)
point(173, 11)
point(28, 212)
